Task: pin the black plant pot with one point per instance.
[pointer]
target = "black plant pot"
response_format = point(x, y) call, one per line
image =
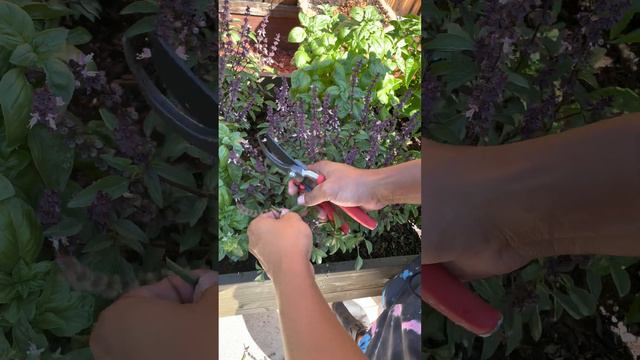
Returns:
point(193, 112)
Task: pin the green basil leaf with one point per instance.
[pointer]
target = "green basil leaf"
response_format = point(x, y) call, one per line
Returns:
point(357, 14)
point(16, 105)
point(621, 279)
point(23, 55)
point(625, 100)
point(152, 182)
point(535, 325)
point(66, 227)
point(6, 188)
point(78, 36)
point(450, 42)
point(16, 26)
point(129, 229)
point(109, 119)
point(20, 234)
point(5, 347)
point(60, 79)
point(300, 80)
point(633, 315)
point(140, 7)
point(119, 163)
point(514, 334)
point(297, 35)
point(62, 311)
point(594, 281)
point(41, 11)
point(359, 263)
point(630, 38)
point(193, 212)
point(301, 58)
point(568, 305)
point(176, 174)
point(190, 239)
point(304, 19)
point(113, 185)
point(52, 157)
point(369, 246)
point(144, 25)
point(584, 300)
point(5, 64)
point(489, 346)
point(50, 41)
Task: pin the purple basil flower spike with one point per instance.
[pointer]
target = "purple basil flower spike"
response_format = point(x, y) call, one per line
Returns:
point(49, 208)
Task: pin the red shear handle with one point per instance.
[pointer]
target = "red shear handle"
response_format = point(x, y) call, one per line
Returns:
point(354, 212)
point(450, 297)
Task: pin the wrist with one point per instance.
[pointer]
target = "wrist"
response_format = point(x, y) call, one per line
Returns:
point(294, 267)
point(397, 184)
point(379, 182)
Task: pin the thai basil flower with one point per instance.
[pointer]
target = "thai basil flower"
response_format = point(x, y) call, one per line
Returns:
point(409, 128)
point(131, 142)
point(44, 108)
point(178, 22)
point(430, 90)
point(90, 81)
point(49, 208)
point(536, 115)
point(351, 156)
point(100, 209)
point(376, 136)
point(355, 75)
point(366, 109)
point(494, 46)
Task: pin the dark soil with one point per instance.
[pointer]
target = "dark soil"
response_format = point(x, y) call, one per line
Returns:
point(282, 61)
point(589, 338)
point(570, 339)
point(345, 6)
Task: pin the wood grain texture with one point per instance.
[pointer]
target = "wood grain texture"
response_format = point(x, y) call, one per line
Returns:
point(256, 8)
point(239, 294)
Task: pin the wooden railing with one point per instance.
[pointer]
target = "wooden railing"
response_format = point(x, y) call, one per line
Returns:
point(240, 294)
point(405, 7)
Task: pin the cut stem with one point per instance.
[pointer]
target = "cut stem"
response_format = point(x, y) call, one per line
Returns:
point(181, 272)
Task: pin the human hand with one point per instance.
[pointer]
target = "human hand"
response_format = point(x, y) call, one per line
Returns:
point(344, 186)
point(467, 224)
point(280, 240)
point(166, 320)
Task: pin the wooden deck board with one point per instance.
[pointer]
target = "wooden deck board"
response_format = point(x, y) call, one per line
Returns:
point(239, 294)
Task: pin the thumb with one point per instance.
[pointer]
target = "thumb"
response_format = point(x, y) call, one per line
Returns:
point(316, 196)
point(321, 167)
point(207, 280)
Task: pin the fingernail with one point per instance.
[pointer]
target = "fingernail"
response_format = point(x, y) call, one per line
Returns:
point(301, 199)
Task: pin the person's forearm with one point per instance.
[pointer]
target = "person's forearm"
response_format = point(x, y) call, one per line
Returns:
point(398, 184)
point(310, 329)
point(577, 192)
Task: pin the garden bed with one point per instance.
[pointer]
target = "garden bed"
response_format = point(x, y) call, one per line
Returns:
point(345, 6)
point(258, 186)
point(400, 240)
point(283, 16)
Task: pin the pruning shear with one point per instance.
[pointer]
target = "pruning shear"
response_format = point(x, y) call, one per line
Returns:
point(307, 179)
point(193, 108)
point(448, 295)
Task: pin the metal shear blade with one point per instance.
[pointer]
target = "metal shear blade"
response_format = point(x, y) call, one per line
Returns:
point(281, 159)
